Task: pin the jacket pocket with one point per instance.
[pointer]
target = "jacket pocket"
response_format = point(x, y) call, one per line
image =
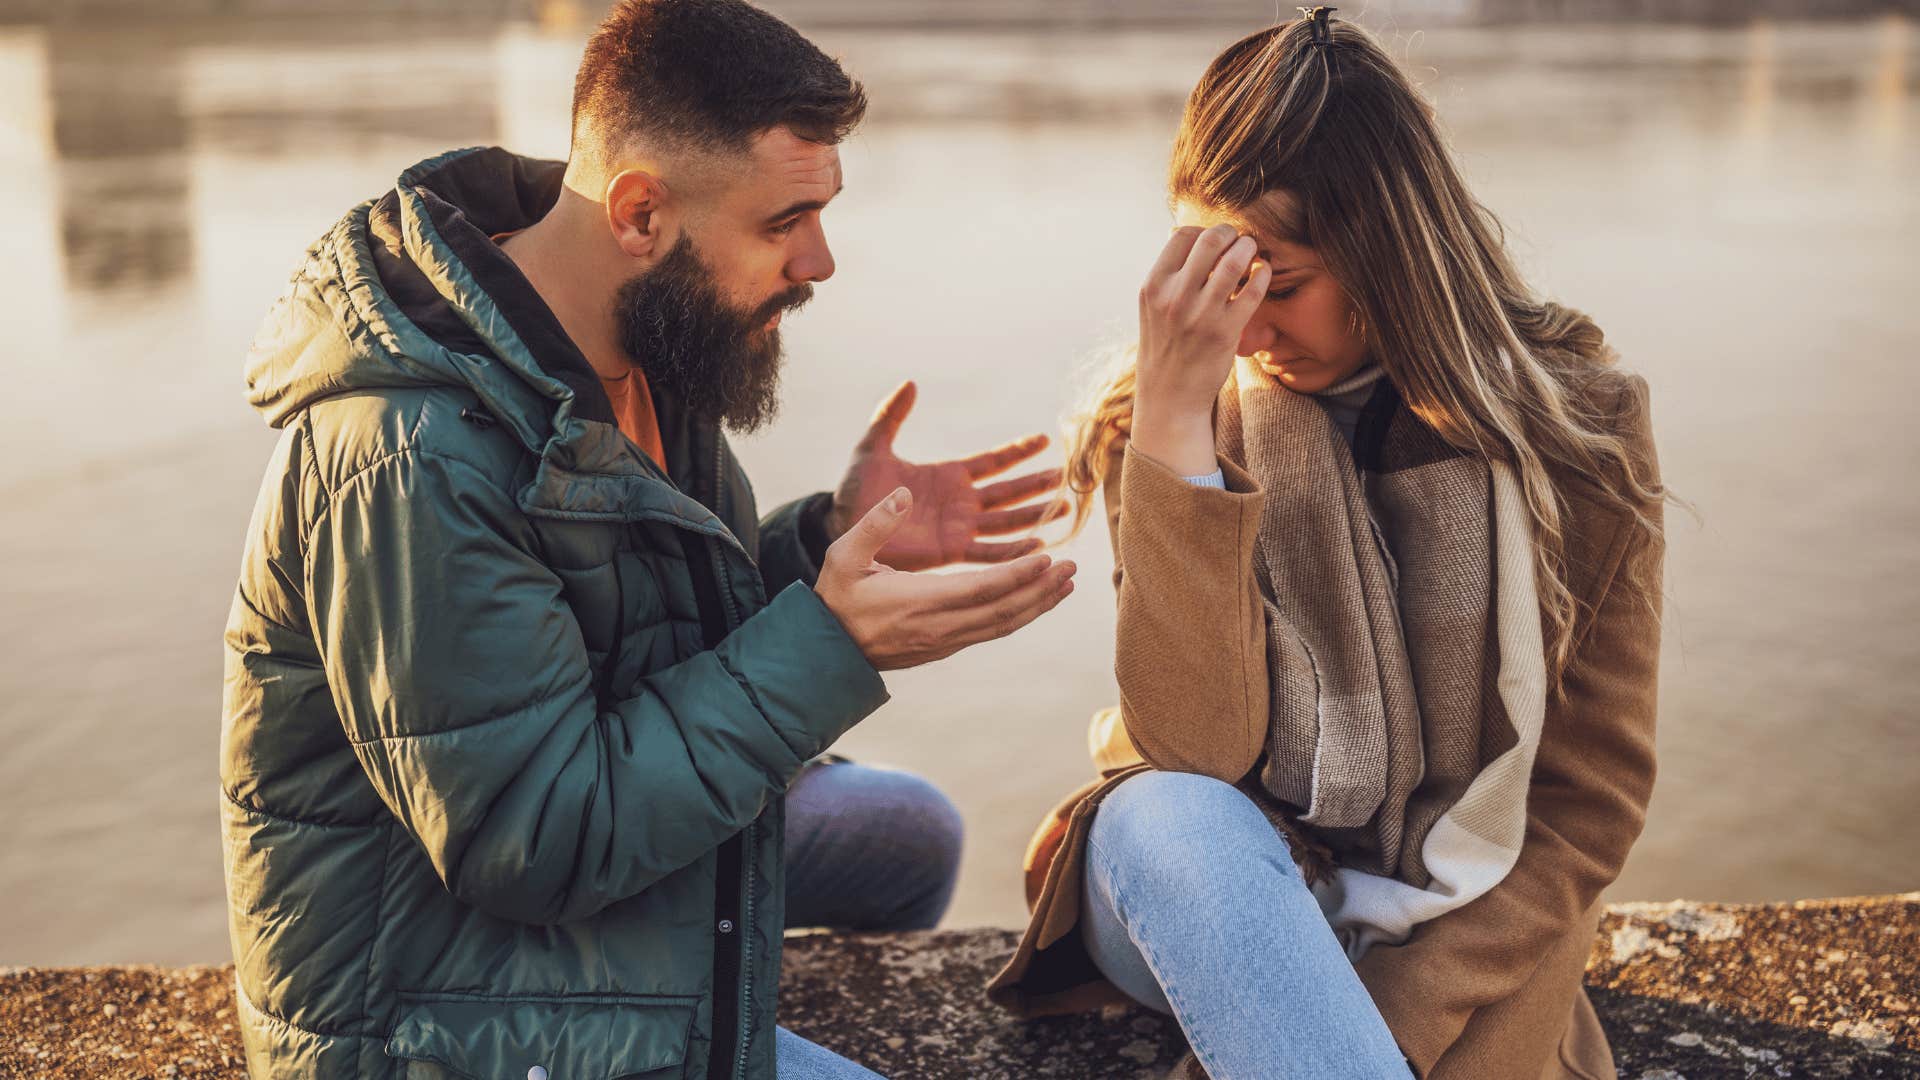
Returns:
point(586, 1037)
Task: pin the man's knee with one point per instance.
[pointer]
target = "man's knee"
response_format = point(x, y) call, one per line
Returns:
point(922, 821)
point(893, 830)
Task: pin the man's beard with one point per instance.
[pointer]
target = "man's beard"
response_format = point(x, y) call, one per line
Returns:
point(721, 363)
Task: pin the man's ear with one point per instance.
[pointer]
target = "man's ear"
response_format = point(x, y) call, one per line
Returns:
point(637, 213)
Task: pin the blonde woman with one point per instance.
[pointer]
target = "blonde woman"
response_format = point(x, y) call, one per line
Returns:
point(1387, 533)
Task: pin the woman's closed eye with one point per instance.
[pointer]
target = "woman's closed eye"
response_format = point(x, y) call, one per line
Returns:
point(1282, 294)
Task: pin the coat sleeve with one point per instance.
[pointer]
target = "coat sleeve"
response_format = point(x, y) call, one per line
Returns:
point(793, 542)
point(1190, 649)
point(462, 681)
point(1592, 778)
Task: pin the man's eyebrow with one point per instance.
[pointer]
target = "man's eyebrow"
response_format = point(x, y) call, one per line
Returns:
point(805, 205)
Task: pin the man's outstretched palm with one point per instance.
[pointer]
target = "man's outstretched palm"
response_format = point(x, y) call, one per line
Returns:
point(950, 514)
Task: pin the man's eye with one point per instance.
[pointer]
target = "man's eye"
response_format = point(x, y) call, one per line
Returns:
point(785, 227)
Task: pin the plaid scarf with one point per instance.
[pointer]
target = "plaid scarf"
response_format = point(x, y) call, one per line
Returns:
point(1405, 654)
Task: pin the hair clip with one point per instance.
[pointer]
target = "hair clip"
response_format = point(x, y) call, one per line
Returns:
point(1318, 19)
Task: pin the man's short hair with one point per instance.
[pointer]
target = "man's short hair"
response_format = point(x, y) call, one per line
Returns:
point(708, 75)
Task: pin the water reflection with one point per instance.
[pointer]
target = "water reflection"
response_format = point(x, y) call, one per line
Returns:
point(119, 143)
point(1887, 95)
point(128, 110)
point(1757, 87)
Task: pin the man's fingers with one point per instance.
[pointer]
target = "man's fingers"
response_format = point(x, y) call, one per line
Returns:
point(980, 552)
point(954, 611)
point(1002, 522)
point(889, 416)
point(863, 542)
point(1019, 607)
point(972, 588)
point(1001, 458)
point(1019, 489)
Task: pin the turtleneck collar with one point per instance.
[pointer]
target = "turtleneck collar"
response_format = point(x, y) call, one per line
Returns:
point(1351, 386)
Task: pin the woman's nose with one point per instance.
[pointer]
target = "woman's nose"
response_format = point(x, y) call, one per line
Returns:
point(1259, 336)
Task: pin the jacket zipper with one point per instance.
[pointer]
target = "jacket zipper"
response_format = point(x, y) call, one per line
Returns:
point(719, 556)
point(733, 880)
point(746, 952)
point(745, 1003)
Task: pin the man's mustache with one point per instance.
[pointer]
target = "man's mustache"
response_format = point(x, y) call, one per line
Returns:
point(790, 300)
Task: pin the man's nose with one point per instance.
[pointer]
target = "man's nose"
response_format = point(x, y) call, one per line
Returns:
point(813, 262)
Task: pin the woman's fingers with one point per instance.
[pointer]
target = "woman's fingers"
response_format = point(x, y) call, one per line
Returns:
point(1215, 271)
point(1228, 272)
point(1254, 292)
point(1174, 255)
point(1205, 255)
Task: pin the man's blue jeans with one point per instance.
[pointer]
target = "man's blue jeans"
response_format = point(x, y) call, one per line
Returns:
point(798, 1059)
point(867, 849)
point(1193, 906)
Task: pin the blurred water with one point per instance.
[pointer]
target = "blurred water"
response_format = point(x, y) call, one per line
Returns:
point(1736, 206)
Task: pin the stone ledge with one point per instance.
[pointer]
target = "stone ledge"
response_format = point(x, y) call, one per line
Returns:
point(1825, 988)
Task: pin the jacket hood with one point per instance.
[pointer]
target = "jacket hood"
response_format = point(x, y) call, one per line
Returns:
point(409, 290)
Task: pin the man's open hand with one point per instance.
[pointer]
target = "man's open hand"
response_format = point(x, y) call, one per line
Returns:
point(901, 619)
point(949, 512)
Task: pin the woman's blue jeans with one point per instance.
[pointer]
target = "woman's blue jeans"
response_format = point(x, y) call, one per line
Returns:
point(1193, 906)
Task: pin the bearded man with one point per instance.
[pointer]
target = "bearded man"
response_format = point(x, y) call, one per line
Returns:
point(517, 679)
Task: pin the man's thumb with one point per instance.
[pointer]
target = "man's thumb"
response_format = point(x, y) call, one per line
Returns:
point(873, 530)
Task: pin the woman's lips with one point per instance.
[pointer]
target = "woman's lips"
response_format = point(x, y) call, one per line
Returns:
point(1273, 365)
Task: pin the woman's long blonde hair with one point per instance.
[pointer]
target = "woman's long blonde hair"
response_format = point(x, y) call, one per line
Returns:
point(1331, 146)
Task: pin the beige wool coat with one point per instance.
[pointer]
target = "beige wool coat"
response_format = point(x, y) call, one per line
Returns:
point(1488, 991)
